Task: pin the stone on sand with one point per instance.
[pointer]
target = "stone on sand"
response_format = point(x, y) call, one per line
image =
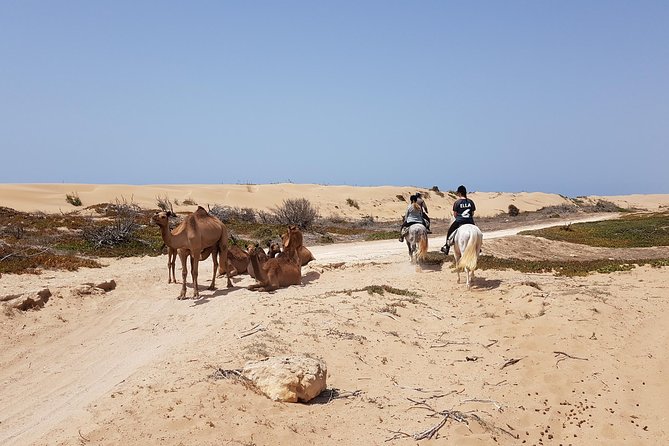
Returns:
point(288, 378)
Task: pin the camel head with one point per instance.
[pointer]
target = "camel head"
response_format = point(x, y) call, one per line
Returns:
point(161, 218)
point(252, 249)
point(274, 249)
point(293, 237)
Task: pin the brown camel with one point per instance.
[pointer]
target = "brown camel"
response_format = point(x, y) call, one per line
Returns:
point(199, 232)
point(302, 251)
point(274, 249)
point(262, 258)
point(280, 271)
point(238, 260)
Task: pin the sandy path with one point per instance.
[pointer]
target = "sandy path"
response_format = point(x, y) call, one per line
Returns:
point(382, 249)
point(51, 370)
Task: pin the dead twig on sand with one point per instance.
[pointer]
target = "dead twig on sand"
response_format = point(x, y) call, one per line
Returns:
point(497, 405)
point(329, 395)
point(510, 362)
point(562, 356)
point(455, 415)
point(250, 331)
point(84, 439)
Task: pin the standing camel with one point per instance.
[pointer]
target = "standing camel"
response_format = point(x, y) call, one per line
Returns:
point(198, 233)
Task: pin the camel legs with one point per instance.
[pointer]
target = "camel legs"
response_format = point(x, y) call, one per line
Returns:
point(214, 257)
point(171, 260)
point(223, 256)
point(184, 273)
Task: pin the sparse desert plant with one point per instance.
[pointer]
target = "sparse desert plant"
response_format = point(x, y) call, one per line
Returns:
point(351, 202)
point(436, 190)
point(513, 211)
point(164, 203)
point(229, 214)
point(296, 211)
point(119, 231)
point(73, 199)
point(189, 202)
point(400, 197)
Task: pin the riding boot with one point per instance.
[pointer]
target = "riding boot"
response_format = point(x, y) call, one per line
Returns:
point(445, 248)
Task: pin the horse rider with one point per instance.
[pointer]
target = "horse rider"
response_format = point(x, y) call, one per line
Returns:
point(421, 203)
point(463, 211)
point(414, 215)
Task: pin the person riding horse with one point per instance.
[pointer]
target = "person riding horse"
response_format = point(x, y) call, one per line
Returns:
point(421, 203)
point(463, 211)
point(413, 216)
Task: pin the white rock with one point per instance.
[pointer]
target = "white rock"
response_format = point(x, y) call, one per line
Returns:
point(288, 378)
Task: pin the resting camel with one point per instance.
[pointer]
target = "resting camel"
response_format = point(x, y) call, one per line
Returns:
point(274, 249)
point(238, 260)
point(281, 271)
point(303, 251)
point(199, 232)
point(262, 258)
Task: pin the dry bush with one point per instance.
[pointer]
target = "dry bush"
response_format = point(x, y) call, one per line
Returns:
point(436, 190)
point(513, 210)
point(353, 203)
point(164, 203)
point(121, 228)
point(73, 199)
point(189, 201)
point(400, 197)
point(298, 211)
point(229, 214)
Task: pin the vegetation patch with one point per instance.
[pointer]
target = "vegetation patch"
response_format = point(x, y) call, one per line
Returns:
point(630, 231)
point(30, 259)
point(353, 203)
point(382, 235)
point(73, 199)
point(567, 268)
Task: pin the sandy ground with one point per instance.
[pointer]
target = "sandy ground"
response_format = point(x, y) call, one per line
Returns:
point(134, 366)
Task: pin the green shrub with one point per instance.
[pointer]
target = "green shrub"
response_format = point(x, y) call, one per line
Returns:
point(73, 199)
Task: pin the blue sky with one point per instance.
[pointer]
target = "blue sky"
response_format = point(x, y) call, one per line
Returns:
point(568, 97)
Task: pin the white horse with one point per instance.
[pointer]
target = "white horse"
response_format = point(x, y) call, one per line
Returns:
point(467, 245)
point(416, 240)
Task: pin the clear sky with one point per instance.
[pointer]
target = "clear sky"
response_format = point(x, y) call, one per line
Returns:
point(568, 97)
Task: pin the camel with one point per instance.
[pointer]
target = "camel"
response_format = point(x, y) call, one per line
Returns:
point(274, 249)
point(199, 232)
point(281, 271)
point(262, 258)
point(303, 251)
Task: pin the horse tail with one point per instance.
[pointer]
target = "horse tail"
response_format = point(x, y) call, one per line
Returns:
point(422, 246)
point(470, 256)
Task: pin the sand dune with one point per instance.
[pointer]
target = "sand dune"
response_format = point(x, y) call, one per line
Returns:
point(380, 202)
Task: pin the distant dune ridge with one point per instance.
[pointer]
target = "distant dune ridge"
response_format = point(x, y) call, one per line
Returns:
point(381, 202)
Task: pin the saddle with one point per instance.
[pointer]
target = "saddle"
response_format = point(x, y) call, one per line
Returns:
point(451, 240)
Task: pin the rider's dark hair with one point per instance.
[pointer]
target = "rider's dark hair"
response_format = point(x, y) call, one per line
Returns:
point(462, 191)
point(413, 198)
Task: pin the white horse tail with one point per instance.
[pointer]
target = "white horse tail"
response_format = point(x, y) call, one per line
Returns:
point(470, 256)
point(422, 246)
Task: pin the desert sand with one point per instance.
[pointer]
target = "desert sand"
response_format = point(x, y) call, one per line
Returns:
point(539, 359)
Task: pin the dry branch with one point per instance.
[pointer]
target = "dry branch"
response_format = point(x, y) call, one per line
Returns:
point(510, 362)
point(562, 356)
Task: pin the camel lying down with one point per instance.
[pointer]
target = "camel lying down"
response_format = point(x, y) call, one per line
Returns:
point(280, 271)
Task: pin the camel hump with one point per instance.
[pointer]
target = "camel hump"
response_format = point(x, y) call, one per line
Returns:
point(201, 211)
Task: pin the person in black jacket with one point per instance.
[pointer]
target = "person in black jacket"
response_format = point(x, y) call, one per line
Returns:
point(463, 211)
